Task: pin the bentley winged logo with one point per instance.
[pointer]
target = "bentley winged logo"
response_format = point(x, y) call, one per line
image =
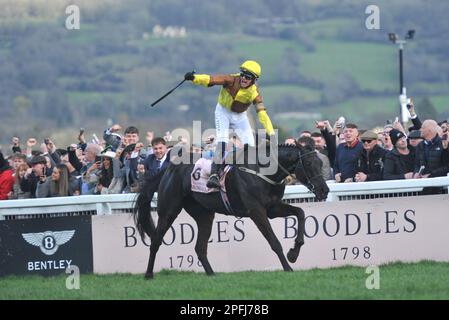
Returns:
point(48, 241)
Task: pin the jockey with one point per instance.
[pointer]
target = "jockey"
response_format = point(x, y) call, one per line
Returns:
point(239, 91)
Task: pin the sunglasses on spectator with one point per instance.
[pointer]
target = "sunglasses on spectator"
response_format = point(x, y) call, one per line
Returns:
point(246, 76)
point(369, 141)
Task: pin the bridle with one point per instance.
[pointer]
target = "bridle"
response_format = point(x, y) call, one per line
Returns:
point(300, 166)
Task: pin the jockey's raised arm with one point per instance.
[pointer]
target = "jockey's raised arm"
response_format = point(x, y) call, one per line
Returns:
point(239, 91)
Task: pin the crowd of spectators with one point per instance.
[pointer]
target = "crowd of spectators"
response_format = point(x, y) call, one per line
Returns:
point(119, 163)
point(382, 153)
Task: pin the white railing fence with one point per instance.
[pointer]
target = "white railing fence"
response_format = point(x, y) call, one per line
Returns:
point(123, 203)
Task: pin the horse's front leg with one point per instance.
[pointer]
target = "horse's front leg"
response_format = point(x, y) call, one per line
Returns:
point(284, 210)
point(204, 222)
point(259, 216)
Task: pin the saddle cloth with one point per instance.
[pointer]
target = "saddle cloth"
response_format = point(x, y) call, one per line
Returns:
point(200, 175)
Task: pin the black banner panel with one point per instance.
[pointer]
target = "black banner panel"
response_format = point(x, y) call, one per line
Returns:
point(46, 246)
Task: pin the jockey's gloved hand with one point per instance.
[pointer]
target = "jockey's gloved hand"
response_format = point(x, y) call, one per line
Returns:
point(189, 76)
point(271, 138)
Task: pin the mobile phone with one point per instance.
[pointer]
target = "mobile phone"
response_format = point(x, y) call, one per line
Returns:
point(81, 131)
point(95, 139)
point(396, 119)
point(421, 170)
point(46, 140)
point(409, 103)
point(97, 159)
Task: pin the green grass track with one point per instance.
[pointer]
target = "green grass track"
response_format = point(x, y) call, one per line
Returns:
point(424, 280)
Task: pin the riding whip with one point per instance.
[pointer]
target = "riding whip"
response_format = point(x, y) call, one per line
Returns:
point(161, 98)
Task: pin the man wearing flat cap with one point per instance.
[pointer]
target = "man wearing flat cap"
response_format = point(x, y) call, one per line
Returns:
point(414, 138)
point(370, 163)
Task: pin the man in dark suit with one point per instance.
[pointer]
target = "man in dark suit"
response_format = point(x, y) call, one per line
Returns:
point(160, 158)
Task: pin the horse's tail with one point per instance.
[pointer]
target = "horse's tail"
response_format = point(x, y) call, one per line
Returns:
point(142, 207)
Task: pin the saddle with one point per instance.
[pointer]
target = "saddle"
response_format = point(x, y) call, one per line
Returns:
point(200, 175)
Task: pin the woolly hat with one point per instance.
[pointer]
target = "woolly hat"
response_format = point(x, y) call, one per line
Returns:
point(395, 135)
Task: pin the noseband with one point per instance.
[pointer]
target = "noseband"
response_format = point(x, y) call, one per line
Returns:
point(300, 166)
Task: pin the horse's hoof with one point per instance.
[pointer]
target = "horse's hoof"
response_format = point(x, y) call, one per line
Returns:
point(292, 255)
point(149, 275)
point(210, 274)
point(289, 269)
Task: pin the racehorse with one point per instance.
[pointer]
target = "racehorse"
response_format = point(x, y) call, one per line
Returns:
point(250, 194)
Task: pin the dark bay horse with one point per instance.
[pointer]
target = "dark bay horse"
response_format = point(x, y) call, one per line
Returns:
point(250, 195)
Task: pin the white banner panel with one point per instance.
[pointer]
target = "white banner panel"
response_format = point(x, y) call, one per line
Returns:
point(358, 232)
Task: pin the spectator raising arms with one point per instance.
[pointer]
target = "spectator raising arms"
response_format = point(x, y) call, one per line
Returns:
point(131, 152)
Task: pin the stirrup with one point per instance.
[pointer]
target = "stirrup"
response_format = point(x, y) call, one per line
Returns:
point(213, 181)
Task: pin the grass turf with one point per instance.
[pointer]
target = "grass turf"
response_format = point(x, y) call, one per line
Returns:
point(424, 280)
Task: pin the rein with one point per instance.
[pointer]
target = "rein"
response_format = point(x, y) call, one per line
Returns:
point(261, 176)
point(287, 172)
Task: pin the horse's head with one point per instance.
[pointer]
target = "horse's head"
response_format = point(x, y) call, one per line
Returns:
point(308, 171)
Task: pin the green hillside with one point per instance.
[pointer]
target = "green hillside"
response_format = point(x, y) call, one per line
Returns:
point(323, 61)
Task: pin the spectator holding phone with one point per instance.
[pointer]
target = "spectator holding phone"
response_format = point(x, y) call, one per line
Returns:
point(111, 178)
point(74, 174)
point(149, 138)
point(431, 153)
point(330, 140)
point(31, 142)
point(52, 152)
point(413, 116)
point(56, 186)
point(15, 141)
point(38, 166)
point(89, 171)
point(444, 130)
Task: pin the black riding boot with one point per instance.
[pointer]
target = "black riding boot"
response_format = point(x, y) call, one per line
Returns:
point(214, 181)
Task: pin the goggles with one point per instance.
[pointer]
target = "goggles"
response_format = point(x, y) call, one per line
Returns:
point(247, 76)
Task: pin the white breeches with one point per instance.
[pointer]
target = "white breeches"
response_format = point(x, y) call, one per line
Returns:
point(225, 120)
